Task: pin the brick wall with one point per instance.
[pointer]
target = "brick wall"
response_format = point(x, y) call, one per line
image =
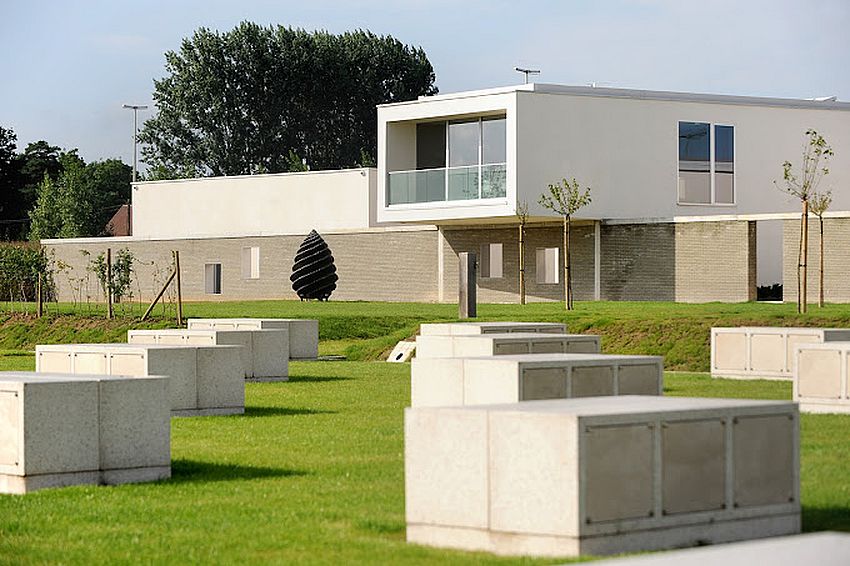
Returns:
point(638, 262)
point(836, 259)
point(683, 262)
point(715, 261)
point(506, 288)
point(376, 266)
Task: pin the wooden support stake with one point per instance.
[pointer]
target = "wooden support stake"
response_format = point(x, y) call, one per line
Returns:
point(39, 307)
point(179, 289)
point(109, 312)
point(159, 296)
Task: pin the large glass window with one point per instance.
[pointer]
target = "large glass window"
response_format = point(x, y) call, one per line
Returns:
point(463, 143)
point(724, 164)
point(706, 163)
point(457, 160)
point(431, 145)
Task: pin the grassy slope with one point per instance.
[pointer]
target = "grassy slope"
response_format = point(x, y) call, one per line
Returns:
point(366, 331)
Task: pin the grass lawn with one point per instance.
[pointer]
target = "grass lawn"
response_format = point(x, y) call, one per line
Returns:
point(313, 472)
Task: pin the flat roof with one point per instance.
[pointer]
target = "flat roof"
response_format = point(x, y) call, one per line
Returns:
point(637, 94)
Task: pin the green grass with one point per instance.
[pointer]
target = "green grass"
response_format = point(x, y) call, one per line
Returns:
point(313, 472)
point(367, 331)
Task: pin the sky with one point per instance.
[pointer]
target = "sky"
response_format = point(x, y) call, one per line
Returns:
point(67, 67)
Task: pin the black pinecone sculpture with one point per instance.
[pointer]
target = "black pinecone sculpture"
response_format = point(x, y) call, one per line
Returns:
point(314, 273)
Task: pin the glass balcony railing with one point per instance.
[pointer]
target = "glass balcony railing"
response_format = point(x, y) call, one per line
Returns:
point(447, 184)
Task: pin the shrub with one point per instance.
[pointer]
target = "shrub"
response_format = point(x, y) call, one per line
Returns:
point(20, 266)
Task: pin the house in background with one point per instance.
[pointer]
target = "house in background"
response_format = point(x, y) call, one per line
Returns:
point(682, 186)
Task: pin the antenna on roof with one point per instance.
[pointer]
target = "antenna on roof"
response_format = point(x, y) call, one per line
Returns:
point(527, 72)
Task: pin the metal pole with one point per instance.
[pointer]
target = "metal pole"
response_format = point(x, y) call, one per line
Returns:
point(135, 135)
point(135, 108)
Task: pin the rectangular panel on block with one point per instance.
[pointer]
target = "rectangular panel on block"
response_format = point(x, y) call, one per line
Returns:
point(90, 362)
point(543, 383)
point(10, 428)
point(127, 364)
point(730, 351)
point(693, 464)
point(819, 373)
point(592, 381)
point(53, 362)
point(614, 491)
point(764, 460)
point(767, 353)
point(638, 380)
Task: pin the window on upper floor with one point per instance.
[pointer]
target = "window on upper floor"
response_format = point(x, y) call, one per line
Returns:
point(706, 163)
point(491, 261)
point(459, 160)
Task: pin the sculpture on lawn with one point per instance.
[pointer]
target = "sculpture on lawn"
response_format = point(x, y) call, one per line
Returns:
point(314, 273)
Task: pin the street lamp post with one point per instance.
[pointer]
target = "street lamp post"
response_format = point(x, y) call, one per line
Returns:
point(135, 108)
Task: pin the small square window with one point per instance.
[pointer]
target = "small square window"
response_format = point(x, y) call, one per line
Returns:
point(251, 263)
point(212, 278)
point(547, 266)
point(491, 261)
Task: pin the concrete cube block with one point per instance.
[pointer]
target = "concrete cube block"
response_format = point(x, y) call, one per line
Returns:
point(601, 475)
point(81, 429)
point(465, 328)
point(763, 352)
point(303, 333)
point(821, 377)
point(823, 549)
point(203, 380)
point(471, 345)
point(264, 354)
point(439, 382)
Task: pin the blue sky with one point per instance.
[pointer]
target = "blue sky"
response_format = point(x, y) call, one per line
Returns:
point(68, 66)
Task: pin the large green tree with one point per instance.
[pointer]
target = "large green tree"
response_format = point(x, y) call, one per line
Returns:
point(10, 180)
point(81, 200)
point(244, 101)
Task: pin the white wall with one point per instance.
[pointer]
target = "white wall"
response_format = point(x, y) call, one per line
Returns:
point(258, 205)
point(397, 151)
point(627, 151)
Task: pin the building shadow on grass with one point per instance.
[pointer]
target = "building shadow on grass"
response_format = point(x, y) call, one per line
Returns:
point(315, 378)
point(194, 471)
point(825, 518)
point(252, 412)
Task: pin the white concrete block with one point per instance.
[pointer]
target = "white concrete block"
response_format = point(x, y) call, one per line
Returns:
point(471, 345)
point(203, 380)
point(821, 382)
point(303, 333)
point(601, 475)
point(823, 549)
point(82, 429)
point(464, 328)
point(265, 353)
point(439, 382)
point(763, 352)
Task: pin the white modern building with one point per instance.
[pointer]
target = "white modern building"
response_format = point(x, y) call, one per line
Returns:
point(682, 187)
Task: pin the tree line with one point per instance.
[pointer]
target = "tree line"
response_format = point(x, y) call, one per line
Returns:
point(46, 192)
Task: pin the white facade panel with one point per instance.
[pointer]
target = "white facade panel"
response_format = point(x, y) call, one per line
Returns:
point(256, 205)
point(626, 149)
